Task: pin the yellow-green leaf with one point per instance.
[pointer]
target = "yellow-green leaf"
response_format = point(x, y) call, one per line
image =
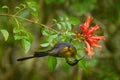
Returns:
point(44, 44)
point(26, 44)
point(5, 34)
point(5, 6)
point(82, 64)
point(52, 62)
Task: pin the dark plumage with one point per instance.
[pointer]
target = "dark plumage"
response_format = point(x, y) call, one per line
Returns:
point(60, 49)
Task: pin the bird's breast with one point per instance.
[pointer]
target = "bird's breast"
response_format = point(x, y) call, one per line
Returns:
point(68, 51)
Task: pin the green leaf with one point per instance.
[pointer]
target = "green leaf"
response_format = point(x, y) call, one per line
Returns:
point(61, 18)
point(63, 25)
point(26, 44)
point(83, 64)
point(19, 37)
point(44, 44)
point(19, 29)
point(18, 8)
point(24, 13)
point(45, 32)
point(52, 37)
point(16, 30)
point(5, 6)
point(30, 37)
point(5, 34)
point(33, 5)
point(65, 65)
point(52, 62)
point(55, 20)
point(22, 33)
point(74, 20)
point(69, 26)
point(59, 26)
point(23, 5)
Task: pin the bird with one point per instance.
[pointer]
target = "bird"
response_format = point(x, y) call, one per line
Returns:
point(60, 49)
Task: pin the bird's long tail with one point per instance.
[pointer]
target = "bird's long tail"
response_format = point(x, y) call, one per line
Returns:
point(36, 54)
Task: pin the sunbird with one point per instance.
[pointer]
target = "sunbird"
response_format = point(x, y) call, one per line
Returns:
point(60, 49)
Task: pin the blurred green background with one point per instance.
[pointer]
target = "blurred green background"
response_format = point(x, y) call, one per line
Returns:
point(105, 65)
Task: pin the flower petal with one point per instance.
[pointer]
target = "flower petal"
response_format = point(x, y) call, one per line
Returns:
point(98, 37)
point(98, 45)
point(89, 49)
point(93, 29)
point(84, 30)
point(87, 22)
point(94, 42)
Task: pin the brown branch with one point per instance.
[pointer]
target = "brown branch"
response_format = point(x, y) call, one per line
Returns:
point(14, 16)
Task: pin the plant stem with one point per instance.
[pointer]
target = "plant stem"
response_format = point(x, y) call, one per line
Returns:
point(14, 16)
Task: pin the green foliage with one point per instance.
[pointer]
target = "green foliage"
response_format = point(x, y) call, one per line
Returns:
point(33, 5)
point(20, 7)
point(4, 9)
point(80, 53)
point(83, 64)
point(80, 48)
point(51, 37)
point(5, 34)
point(65, 65)
point(26, 37)
point(26, 45)
point(21, 32)
point(52, 62)
point(44, 44)
point(65, 23)
point(5, 6)
point(24, 13)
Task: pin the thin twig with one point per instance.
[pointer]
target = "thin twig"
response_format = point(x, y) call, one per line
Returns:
point(19, 11)
point(15, 16)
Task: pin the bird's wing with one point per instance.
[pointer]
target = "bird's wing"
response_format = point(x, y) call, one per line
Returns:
point(56, 50)
point(60, 49)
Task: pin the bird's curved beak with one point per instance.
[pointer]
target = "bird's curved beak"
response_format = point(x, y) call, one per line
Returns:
point(81, 58)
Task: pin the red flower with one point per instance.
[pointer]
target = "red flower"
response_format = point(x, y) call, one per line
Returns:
point(90, 39)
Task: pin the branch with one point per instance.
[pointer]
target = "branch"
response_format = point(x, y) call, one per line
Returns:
point(14, 16)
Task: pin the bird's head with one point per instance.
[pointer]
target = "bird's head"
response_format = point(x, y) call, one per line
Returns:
point(72, 62)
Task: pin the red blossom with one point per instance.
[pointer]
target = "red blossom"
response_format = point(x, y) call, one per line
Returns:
point(90, 39)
